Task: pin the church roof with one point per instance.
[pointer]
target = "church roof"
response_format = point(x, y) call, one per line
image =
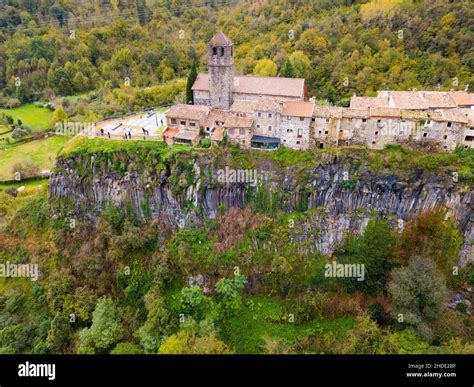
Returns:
point(220, 39)
point(264, 86)
point(190, 112)
point(298, 109)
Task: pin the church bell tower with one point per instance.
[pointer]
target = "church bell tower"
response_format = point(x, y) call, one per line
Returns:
point(221, 71)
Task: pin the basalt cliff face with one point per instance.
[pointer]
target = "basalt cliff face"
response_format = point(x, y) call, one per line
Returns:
point(338, 196)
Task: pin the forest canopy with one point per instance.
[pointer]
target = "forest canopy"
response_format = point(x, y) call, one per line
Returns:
point(341, 47)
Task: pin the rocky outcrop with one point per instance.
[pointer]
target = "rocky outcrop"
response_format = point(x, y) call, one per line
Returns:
point(339, 196)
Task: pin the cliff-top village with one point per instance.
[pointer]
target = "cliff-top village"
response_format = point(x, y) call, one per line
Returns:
point(269, 112)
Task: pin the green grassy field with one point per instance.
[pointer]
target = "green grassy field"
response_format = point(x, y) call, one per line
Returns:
point(37, 118)
point(27, 184)
point(263, 316)
point(40, 152)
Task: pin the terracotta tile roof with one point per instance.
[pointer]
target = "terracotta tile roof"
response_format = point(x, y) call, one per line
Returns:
point(414, 115)
point(170, 132)
point(453, 115)
point(404, 100)
point(268, 105)
point(366, 102)
point(219, 115)
point(298, 109)
point(384, 112)
point(437, 99)
point(435, 116)
point(190, 112)
point(462, 98)
point(187, 135)
point(328, 111)
point(220, 39)
point(355, 113)
point(243, 106)
point(424, 100)
point(238, 122)
point(264, 86)
point(218, 134)
point(469, 113)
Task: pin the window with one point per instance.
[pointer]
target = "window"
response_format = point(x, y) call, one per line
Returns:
point(269, 127)
point(313, 119)
point(379, 121)
point(373, 142)
point(259, 114)
point(326, 132)
point(288, 117)
point(232, 54)
point(173, 120)
point(376, 133)
point(301, 118)
point(214, 51)
point(241, 131)
point(258, 126)
point(445, 137)
point(243, 141)
point(269, 115)
point(222, 51)
point(183, 122)
point(289, 130)
point(192, 124)
point(297, 142)
point(231, 131)
point(364, 119)
point(327, 119)
point(425, 134)
point(450, 124)
point(300, 132)
point(319, 132)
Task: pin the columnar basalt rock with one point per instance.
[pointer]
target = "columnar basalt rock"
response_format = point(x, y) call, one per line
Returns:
point(336, 205)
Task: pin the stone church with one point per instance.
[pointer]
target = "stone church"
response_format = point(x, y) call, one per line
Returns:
point(269, 112)
point(220, 87)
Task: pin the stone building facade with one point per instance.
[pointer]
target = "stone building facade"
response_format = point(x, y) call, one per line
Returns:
point(269, 112)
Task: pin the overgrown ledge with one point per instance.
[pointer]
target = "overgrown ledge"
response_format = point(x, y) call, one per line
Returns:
point(340, 188)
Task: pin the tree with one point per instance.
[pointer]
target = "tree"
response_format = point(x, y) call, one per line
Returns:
point(59, 115)
point(375, 250)
point(265, 68)
point(190, 82)
point(364, 338)
point(58, 334)
point(126, 349)
point(418, 294)
point(405, 342)
point(301, 64)
point(228, 290)
point(105, 331)
point(430, 235)
point(157, 323)
point(288, 71)
point(186, 342)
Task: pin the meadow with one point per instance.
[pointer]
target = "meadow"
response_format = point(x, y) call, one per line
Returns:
point(37, 118)
point(42, 153)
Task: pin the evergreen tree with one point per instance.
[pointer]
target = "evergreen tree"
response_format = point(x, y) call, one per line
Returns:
point(191, 79)
point(288, 71)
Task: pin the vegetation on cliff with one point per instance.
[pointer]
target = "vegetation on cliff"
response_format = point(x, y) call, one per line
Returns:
point(248, 281)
